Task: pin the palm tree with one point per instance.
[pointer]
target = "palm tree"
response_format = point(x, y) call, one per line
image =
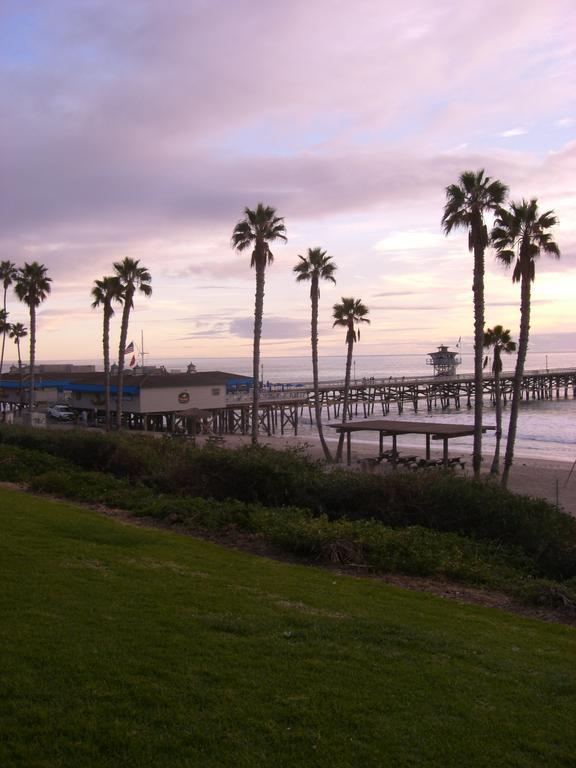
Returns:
point(257, 230)
point(4, 329)
point(17, 332)
point(466, 205)
point(350, 313)
point(32, 287)
point(315, 267)
point(519, 236)
point(8, 273)
point(500, 341)
point(104, 292)
point(132, 277)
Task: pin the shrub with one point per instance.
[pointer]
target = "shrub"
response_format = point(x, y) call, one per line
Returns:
point(18, 465)
point(130, 456)
point(413, 550)
point(93, 488)
point(442, 502)
point(256, 474)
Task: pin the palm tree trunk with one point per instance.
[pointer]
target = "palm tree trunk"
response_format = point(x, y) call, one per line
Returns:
point(21, 376)
point(3, 336)
point(346, 392)
point(518, 373)
point(32, 397)
point(258, 313)
point(106, 349)
point(478, 292)
point(121, 348)
point(314, 342)
point(494, 469)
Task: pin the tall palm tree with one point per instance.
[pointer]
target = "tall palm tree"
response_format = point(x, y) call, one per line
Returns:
point(132, 277)
point(313, 268)
point(32, 287)
point(4, 329)
point(499, 340)
point(520, 235)
point(8, 273)
point(349, 314)
point(17, 332)
point(104, 292)
point(257, 230)
point(466, 205)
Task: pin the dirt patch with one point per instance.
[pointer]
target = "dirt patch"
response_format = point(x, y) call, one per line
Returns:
point(309, 610)
point(93, 565)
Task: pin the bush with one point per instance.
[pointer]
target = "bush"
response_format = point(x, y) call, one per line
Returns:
point(131, 456)
point(93, 488)
point(442, 502)
point(18, 465)
point(415, 550)
point(255, 474)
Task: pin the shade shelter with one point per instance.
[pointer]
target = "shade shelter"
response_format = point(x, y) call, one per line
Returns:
point(389, 428)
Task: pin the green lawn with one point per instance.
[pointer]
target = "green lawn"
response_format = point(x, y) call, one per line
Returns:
point(126, 647)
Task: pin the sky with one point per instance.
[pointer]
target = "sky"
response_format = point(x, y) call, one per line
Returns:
point(143, 129)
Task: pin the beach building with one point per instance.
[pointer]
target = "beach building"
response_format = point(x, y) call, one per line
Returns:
point(163, 396)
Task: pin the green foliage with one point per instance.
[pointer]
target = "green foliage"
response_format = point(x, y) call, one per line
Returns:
point(412, 550)
point(179, 653)
point(131, 456)
point(93, 488)
point(254, 473)
point(18, 465)
point(482, 511)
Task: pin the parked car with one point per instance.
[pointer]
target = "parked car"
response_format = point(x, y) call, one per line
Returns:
point(61, 412)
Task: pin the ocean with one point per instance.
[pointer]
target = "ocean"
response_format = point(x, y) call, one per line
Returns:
point(546, 428)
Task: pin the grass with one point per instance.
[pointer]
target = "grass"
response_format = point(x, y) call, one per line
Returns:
point(121, 646)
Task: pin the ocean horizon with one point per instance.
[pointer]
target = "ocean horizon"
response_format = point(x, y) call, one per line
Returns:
point(546, 428)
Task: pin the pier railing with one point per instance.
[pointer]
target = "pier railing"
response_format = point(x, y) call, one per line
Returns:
point(301, 391)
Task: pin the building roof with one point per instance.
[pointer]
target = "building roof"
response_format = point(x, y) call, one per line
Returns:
point(95, 382)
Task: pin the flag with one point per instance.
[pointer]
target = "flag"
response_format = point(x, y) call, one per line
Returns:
point(133, 361)
point(459, 340)
point(129, 348)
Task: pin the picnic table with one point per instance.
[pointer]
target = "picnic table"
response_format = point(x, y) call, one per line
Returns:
point(390, 428)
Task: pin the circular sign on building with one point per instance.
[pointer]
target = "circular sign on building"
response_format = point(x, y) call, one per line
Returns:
point(184, 398)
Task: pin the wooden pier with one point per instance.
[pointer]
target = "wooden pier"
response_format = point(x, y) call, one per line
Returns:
point(284, 409)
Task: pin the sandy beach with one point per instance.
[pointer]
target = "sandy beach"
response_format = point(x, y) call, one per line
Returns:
point(538, 478)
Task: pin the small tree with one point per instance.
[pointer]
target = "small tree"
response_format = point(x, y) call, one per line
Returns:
point(313, 268)
point(257, 230)
point(132, 277)
point(466, 205)
point(499, 340)
point(104, 292)
point(17, 332)
point(519, 236)
point(32, 287)
point(8, 274)
point(349, 314)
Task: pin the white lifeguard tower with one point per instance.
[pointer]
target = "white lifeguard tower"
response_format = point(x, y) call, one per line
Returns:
point(444, 361)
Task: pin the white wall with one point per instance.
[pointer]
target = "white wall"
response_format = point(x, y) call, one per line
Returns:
point(167, 398)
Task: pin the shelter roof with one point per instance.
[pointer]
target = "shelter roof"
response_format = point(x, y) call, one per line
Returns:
point(390, 427)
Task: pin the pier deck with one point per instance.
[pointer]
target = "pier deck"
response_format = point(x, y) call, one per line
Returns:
point(283, 407)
